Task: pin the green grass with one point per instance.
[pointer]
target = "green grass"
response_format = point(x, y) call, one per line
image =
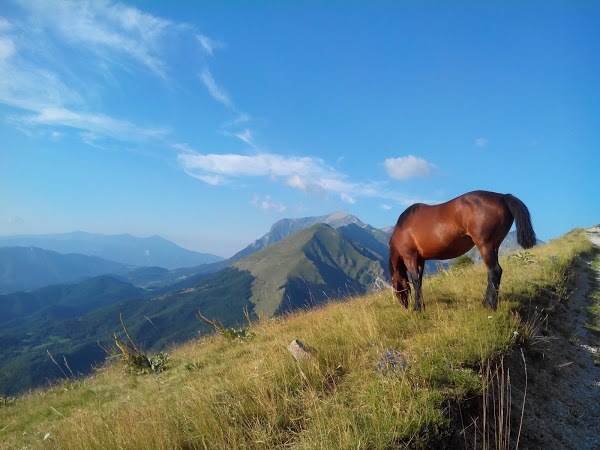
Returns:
point(224, 393)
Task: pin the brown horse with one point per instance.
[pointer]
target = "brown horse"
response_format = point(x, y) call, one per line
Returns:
point(451, 229)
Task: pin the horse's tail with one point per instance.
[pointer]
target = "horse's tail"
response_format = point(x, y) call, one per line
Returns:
point(525, 234)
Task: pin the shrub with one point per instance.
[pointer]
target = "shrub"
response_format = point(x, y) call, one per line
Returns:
point(462, 261)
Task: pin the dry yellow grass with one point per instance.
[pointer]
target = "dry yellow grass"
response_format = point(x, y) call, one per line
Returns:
point(219, 393)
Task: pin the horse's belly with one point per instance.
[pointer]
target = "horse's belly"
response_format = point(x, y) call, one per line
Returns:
point(449, 250)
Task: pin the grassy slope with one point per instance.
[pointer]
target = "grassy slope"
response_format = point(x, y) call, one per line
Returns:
point(253, 394)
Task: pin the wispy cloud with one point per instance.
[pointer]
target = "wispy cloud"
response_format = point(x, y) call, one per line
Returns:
point(7, 48)
point(208, 45)
point(481, 142)
point(98, 124)
point(407, 167)
point(215, 90)
point(112, 37)
point(230, 128)
point(107, 29)
point(246, 136)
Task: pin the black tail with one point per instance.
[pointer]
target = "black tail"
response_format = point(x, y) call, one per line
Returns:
point(525, 234)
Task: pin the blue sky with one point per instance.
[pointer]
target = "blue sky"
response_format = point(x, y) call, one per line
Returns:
point(205, 122)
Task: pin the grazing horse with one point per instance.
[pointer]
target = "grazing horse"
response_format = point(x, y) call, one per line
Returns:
point(449, 230)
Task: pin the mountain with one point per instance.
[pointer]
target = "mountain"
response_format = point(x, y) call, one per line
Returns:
point(122, 248)
point(308, 267)
point(286, 227)
point(22, 268)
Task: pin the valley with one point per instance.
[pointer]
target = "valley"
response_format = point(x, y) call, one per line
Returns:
point(69, 303)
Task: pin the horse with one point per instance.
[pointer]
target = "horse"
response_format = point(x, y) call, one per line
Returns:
point(449, 230)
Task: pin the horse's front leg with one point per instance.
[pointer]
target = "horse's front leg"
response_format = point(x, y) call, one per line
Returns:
point(416, 275)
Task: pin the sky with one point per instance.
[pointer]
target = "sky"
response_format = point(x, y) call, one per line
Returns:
point(206, 122)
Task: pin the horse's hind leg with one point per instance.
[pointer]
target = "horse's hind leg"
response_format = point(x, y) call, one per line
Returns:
point(490, 258)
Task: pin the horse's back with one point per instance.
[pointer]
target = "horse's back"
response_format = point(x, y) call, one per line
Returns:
point(452, 228)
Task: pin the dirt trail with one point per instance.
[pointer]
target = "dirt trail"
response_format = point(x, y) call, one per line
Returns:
point(562, 408)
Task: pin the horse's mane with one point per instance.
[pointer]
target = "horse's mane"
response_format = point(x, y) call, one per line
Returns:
point(407, 212)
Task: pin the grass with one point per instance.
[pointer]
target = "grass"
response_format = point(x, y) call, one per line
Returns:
point(232, 393)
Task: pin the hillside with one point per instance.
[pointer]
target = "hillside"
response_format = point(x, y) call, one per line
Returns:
point(74, 321)
point(59, 319)
point(121, 248)
point(378, 376)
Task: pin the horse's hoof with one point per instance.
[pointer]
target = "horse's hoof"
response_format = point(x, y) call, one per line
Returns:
point(488, 305)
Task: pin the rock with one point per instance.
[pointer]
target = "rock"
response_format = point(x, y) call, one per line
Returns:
point(391, 362)
point(298, 350)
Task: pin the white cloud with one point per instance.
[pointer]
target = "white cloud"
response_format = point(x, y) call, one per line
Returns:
point(303, 173)
point(262, 164)
point(266, 204)
point(407, 167)
point(347, 198)
point(481, 142)
point(385, 207)
point(297, 182)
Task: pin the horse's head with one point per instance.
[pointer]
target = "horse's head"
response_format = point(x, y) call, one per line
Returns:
point(399, 280)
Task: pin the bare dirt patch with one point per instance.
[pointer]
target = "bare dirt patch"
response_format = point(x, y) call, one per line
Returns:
point(554, 383)
point(562, 406)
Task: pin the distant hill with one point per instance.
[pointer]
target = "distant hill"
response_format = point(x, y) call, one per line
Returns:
point(72, 321)
point(122, 248)
point(25, 268)
point(61, 319)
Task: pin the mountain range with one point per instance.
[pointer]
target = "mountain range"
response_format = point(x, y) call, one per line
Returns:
point(121, 248)
point(299, 263)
